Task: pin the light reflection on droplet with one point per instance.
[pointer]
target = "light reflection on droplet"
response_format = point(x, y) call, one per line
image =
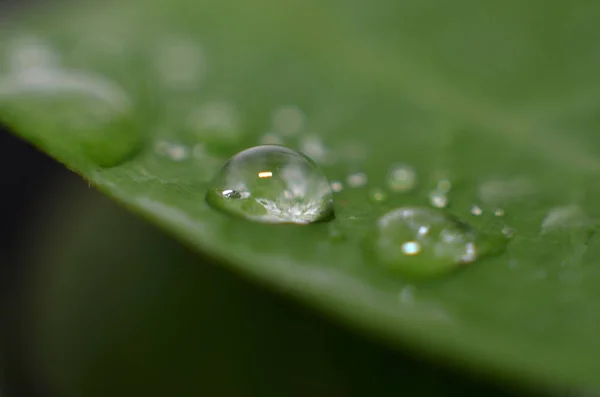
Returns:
point(411, 248)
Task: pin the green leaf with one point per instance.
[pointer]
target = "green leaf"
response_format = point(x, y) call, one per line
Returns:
point(121, 309)
point(147, 101)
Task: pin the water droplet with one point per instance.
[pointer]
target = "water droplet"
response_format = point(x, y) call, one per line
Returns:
point(88, 112)
point(476, 210)
point(357, 180)
point(498, 212)
point(438, 199)
point(271, 139)
point(501, 191)
point(377, 195)
point(313, 146)
point(29, 53)
point(509, 232)
point(272, 184)
point(218, 121)
point(426, 242)
point(402, 178)
point(179, 63)
point(337, 186)
point(288, 120)
point(444, 186)
point(178, 152)
point(568, 216)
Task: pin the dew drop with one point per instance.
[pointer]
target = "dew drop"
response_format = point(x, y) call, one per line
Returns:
point(91, 114)
point(444, 186)
point(357, 180)
point(438, 199)
point(402, 178)
point(288, 120)
point(337, 186)
point(499, 212)
point(476, 210)
point(271, 139)
point(424, 242)
point(564, 217)
point(377, 195)
point(272, 184)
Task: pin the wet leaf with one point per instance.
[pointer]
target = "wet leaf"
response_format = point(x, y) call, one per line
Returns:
point(500, 100)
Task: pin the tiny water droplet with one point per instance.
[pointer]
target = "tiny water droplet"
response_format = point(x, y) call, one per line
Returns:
point(179, 63)
point(438, 199)
point(476, 210)
point(564, 217)
point(509, 232)
point(288, 120)
point(272, 184)
point(498, 212)
point(337, 186)
point(377, 195)
point(444, 186)
point(271, 139)
point(178, 152)
point(357, 180)
point(215, 121)
point(402, 178)
point(313, 146)
point(425, 242)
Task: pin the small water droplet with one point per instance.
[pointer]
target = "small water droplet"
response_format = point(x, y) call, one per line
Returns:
point(178, 152)
point(313, 146)
point(271, 139)
point(509, 232)
point(498, 212)
point(502, 191)
point(179, 63)
point(426, 242)
point(217, 121)
point(275, 184)
point(444, 186)
point(357, 180)
point(337, 186)
point(377, 195)
point(438, 199)
point(92, 115)
point(564, 217)
point(288, 120)
point(476, 210)
point(402, 178)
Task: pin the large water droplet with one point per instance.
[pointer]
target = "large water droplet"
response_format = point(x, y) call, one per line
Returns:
point(76, 109)
point(272, 184)
point(423, 242)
